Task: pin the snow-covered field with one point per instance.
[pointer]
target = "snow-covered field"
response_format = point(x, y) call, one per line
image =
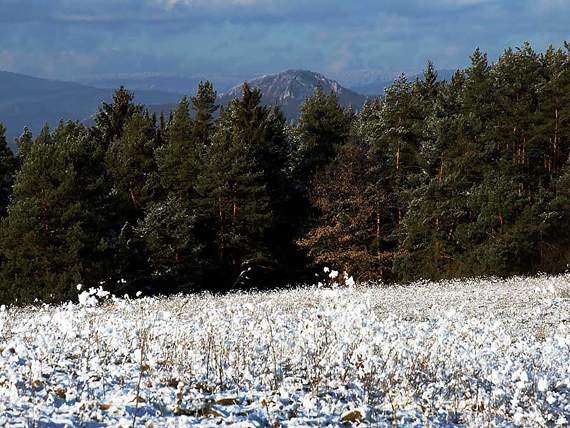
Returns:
point(472, 353)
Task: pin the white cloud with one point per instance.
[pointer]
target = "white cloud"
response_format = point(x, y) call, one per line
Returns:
point(456, 3)
point(168, 4)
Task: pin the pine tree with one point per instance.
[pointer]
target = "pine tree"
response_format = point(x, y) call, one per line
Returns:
point(504, 198)
point(401, 120)
point(426, 249)
point(204, 106)
point(46, 241)
point(168, 231)
point(8, 167)
point(131, 163)
point(323, 126)
point(232, 192)
point(553, 130)
point(111, 118)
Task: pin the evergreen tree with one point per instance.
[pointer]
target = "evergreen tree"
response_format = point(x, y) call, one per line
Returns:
point(426, 246)
point(399, 142)
point(132, 165)
point(179, 159)
point(232, 192)
point(8, 167)
point(286, 262)
point(553, 131)
point(46, 240)
point(111, 118)
point(170, 226)
point(168, 233)
point(204, 106)
point(24, 143)
point(323, 126)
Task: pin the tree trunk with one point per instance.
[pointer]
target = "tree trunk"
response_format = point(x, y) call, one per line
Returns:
point(398, 157)
point(221, 244)
point(234, 222)
point(450, 234)
point(378, 230)
point(133, 198)
point(555, 155)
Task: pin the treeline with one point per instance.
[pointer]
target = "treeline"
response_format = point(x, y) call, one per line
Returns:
point(435, 180)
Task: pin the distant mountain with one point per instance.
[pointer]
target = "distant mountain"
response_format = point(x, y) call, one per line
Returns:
point(289, 89)
point(163, 82)
point(372, 82)
point(33, 102)
point(368, 81)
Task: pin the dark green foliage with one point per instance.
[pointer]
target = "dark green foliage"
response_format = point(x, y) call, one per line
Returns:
point(174, 254)
point(111, 118)
point(204, 106)
point(436, 180)
point(131, 162)
point(232, 193)
point(168, 230)
point(8, 167)
point(47, 240)
point(323, 126)
point(24, 144)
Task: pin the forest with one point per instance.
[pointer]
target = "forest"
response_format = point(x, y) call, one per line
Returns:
point(435, 180)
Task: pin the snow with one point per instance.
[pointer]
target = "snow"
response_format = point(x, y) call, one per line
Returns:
point(457, 353)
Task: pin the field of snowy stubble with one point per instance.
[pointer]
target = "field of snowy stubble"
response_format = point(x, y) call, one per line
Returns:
point(471, 353)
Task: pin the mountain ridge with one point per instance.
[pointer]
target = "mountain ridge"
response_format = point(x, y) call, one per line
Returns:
point(32, 102)
point(289, 89)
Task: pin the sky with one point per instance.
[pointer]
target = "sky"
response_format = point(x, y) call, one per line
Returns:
point(66, 39)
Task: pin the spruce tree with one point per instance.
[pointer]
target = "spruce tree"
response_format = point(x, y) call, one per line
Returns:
point(323, 126)
point(111, 117)
point(8, 167)
point(24, 143)
point(46, 242)
point(170, 226)
point(131, 163)
point(232, 192)
point(179, 160)
point(204, 106)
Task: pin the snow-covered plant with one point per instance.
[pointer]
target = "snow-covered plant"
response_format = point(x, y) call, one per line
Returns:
point(458, 353)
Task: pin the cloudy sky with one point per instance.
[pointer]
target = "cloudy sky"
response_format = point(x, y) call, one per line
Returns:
point(73, 38)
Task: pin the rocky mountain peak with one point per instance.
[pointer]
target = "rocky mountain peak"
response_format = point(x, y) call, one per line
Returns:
point(290, 88)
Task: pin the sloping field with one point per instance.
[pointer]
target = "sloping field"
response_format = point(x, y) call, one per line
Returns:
point(464, 353)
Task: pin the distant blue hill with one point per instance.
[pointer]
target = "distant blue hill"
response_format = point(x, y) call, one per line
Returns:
point(33, 102)
point(288, 89)
point(377, 86)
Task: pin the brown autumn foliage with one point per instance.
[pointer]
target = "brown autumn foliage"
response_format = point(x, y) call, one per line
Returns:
point(350, 234)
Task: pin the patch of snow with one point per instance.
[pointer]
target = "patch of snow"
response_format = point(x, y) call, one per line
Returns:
point(456, 353)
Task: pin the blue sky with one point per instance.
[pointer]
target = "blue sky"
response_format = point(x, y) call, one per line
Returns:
point(72, 38)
